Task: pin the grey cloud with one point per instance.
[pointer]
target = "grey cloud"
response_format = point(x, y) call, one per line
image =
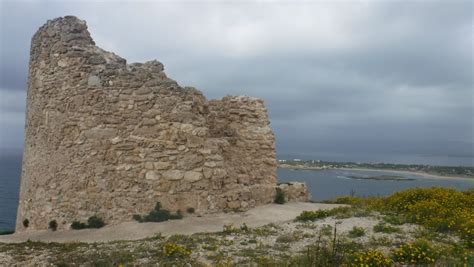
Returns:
point(359, 76)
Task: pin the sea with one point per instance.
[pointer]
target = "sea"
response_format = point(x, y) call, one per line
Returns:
point(323, 184)
point(330, 183)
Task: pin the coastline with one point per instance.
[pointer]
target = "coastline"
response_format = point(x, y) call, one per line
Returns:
point(423, 174)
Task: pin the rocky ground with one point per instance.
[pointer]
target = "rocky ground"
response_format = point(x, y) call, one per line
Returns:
point(245, 238)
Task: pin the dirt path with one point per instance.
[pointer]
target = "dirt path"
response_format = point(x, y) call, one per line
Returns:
point(132, 230)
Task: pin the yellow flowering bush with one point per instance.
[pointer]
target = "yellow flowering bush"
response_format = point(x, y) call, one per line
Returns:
point(417, 252)
point(437, 208)
point(441, 209)
point(371, 258)
point(173, 250)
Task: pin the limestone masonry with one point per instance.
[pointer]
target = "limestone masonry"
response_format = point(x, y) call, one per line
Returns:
point(108, 138)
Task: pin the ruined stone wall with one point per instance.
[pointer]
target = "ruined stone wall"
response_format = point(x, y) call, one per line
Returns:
point(108, 138)
point(295, 191)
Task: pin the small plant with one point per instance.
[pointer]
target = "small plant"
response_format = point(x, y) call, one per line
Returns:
point(244, 228)
point(230, 229)
point(53, 225)
point(137, 217)
point(190, 210)
point(287, 238)
point(177, 216)
point(279, 197)
point(385, 228)
point(371, 258)
point(173, 250)
point(158, 215)
point(92, 222)
point(418, 252)
point(326, 230)
point(312, 215)
point(26, 223)
point(266, 230)
point(76, 225)
point(394, 219)
point(95, 222)
point(356, 232)
point(380, 241)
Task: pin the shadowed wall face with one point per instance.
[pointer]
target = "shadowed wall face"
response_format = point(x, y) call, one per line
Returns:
point(110, 139)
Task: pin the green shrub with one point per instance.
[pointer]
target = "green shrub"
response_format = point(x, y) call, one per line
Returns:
point(190, 210)
point(356, 232)
point(158, 215)
point(26, 223)
point(321, 214)
point(76, 225)
point(436, 208)
point(279, 197)
point(385, 228)
point(137, 217)
point(95, 222)
point(418, 252)
point(312, 215)
point(177, 216)
point(92, 222)
point(173, 250)
point(53, 225)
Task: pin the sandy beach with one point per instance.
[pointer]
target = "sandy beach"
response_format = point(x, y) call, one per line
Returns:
point(423, 174)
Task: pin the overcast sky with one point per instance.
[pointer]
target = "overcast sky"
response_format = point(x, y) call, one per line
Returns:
point(366, 77)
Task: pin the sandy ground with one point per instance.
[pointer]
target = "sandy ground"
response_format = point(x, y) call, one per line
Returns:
point(422, 174)
point(272, 213)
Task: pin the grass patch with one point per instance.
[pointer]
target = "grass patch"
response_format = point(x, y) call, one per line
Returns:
point(356, 232)
point(386, 228)
point(313, 215)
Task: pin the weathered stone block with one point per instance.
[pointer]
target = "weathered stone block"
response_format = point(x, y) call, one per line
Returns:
point(192, 176)
point(173, 175)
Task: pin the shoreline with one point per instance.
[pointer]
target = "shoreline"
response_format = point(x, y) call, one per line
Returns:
point(423, 174)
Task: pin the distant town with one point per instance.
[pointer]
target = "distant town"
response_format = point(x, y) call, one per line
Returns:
point(457, 171)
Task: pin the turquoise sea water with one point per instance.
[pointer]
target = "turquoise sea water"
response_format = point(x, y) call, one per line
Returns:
point(327, 184)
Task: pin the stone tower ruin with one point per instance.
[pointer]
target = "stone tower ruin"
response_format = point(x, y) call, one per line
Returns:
point(108, 138)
